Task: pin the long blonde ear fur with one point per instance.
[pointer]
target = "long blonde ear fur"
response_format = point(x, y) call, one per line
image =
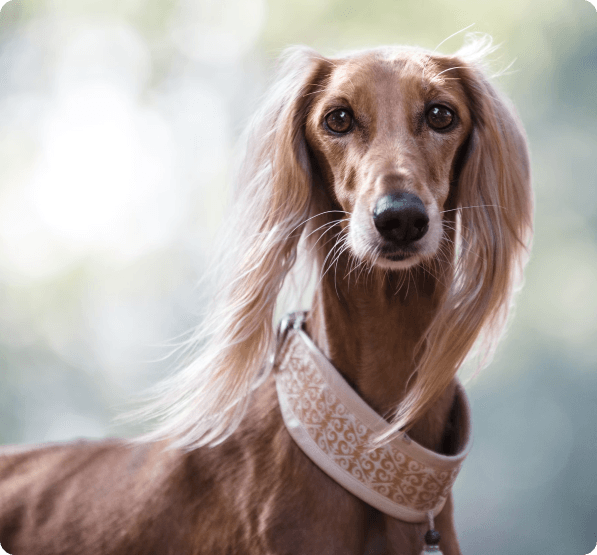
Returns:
point(205, 401)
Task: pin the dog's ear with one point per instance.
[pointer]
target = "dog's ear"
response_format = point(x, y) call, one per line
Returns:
point(495, 204)
point(496, 201)
point(206, 400)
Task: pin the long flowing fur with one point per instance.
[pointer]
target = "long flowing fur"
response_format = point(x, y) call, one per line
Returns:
point(205, 402)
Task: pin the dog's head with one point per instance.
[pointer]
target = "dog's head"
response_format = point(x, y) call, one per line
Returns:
point(386, 129)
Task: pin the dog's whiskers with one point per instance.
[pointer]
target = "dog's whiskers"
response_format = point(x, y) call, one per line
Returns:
point(478, 206)
point(326, 228)
point(302, 224)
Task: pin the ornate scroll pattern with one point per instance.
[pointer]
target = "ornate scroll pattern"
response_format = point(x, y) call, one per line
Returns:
point(344, 438)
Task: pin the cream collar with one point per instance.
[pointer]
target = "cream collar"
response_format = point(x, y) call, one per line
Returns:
point(334, 427)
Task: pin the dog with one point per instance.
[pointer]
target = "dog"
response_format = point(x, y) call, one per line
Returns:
point(402, 176)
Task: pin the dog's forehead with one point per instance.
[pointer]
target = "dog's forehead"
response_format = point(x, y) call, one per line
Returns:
point(391, 73)
point(368, 69)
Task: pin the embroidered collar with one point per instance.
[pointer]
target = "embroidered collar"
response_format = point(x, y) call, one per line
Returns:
point(334, 427)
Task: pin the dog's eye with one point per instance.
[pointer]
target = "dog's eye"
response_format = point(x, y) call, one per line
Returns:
point(440, 117)
point(339, 121)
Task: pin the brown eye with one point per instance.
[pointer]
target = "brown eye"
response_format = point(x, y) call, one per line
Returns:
point(439, 117)
point(339, 121)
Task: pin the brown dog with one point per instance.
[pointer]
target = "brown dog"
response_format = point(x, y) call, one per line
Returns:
point(407, 176)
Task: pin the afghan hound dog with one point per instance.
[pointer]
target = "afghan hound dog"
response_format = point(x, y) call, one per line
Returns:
point(395, 183)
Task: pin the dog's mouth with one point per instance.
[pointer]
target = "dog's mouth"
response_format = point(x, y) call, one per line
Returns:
point(397, 255)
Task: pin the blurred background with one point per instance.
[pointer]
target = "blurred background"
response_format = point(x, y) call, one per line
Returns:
point(118, 125)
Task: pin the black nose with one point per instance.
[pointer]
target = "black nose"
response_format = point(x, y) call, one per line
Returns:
point(401, 218)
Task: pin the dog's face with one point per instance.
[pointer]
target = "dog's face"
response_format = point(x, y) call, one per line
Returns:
point(385, 131)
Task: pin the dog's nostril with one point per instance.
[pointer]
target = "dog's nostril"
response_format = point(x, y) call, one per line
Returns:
point(421, 223)
point(401, 217)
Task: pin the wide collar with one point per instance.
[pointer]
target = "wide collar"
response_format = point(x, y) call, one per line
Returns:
point(334, 427)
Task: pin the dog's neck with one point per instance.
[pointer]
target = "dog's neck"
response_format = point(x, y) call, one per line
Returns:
point(369, 325)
